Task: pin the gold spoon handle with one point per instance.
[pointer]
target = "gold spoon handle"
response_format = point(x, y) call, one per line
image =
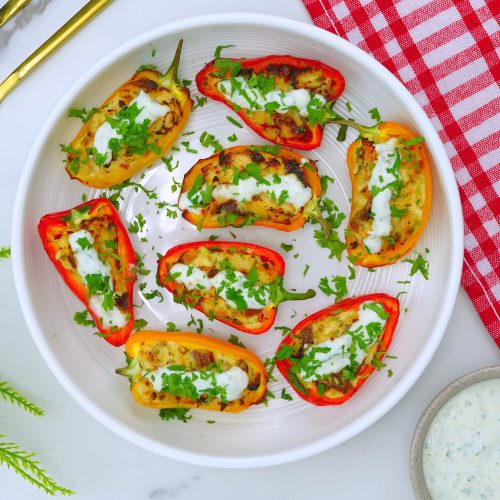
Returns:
point(10, 9)
point(85, 14)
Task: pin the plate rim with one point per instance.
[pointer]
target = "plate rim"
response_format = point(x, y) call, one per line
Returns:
point(400, 388)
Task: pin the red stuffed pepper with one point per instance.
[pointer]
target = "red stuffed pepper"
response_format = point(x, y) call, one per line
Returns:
point(329, 355)
point(94, 256)
point(282, 98)
point(239, 284)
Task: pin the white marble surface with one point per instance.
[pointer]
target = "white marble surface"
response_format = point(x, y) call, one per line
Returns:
point(76, 449)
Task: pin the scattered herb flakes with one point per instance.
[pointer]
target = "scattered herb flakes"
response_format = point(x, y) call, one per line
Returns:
point(236, 341)
point(81, 113)
point(172, 327)
point(181, 414)
point(138, 224)
point(200, 102)
point(232, 138)
point(212, 237)
point(285, 395)
point(236, 123)
point(286, 247)
point(375, 115)
point(419, 264)
point(348, 106)
point(283, 329)
point(186, 83)
point(82, 318)
point(210, 421)
point(209, 140)
point(306, 269)
point(340, 287)
point(5, 252)
point(139, 324)
point(153, 294)
point(169, 163)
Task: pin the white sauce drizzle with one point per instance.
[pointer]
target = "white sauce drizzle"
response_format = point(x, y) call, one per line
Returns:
point(198, 279)
point(234, 380)
point(297, 194)
point(461, 452)
point(337, 357)
point(150, 110)
point(381, 208)
point(88, 262)
point(296, 98)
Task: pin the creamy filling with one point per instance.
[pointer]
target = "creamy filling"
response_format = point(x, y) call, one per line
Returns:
point(382, 177)
point(233, 381)
point(150, 110)
point(88, 263)
point(284, 189)
point(331, 356)
point(241, 94)
point(461, 452)
point(230, 285)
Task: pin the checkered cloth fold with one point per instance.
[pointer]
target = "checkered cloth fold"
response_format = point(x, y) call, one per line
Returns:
point(444, 53)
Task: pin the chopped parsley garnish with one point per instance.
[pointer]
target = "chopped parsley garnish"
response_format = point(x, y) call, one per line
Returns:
point(83, 319)
point(137, 225)
point(286, 247)
point(172, 327)
point(375, 115)
point(81, 113)
point(419, 264)
point(236, 341)
point(200, 102)
point(181, 414)
point(84, 243)
point(139, 324)
point(5, 252)
point(236, 123)
point(340, 287)
point(306, 269)
point(208, 140)
point(285, 395)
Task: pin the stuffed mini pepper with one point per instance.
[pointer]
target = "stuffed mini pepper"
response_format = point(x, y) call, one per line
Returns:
point(329, 355)
point(391, 193)
point(131, 130)
point(186, 370)
point(239, 284)
point(282, 98)
point(92, 252)
point(252, 185)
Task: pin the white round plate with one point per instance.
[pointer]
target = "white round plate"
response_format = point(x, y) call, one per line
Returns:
point(285, 430)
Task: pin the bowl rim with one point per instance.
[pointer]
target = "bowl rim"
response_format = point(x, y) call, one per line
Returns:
point(440, 399)
point(450, 194)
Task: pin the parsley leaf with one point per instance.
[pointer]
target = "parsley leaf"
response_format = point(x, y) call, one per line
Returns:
point(236, 341)
point(5, 252)
point(82, 318)
point(181, 414)
point(419, 264)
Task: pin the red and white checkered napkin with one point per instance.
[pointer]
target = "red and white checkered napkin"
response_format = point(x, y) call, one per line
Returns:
point(444, 53)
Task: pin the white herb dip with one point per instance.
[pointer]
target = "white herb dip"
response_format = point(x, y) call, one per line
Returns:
point(461, 452)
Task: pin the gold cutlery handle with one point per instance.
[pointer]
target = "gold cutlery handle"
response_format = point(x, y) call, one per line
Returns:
point(10, 9)
point(85, 14)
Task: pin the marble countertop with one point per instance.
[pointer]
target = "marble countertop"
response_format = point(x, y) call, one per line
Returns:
point(78, 451)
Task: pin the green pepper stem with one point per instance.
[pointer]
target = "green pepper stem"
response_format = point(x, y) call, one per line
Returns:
point(132, 371)
point(283, 295)
point(316, 215)
point(364, 131)
point(170, 77)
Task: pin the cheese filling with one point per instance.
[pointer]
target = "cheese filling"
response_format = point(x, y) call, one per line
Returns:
point(149, 110)
point(332, 356)
point(231, 286)
point(89, 265)
point(383, 177)
point(228, 385)
point(240, 93)
point(284, 189)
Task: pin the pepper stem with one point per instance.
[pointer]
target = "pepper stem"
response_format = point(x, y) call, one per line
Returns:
point(316, 215)
point(132, 371)
point(283, 295)
point(170, 77)
point(364, 131)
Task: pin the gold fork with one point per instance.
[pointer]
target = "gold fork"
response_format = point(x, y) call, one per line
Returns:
point(85, 14)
